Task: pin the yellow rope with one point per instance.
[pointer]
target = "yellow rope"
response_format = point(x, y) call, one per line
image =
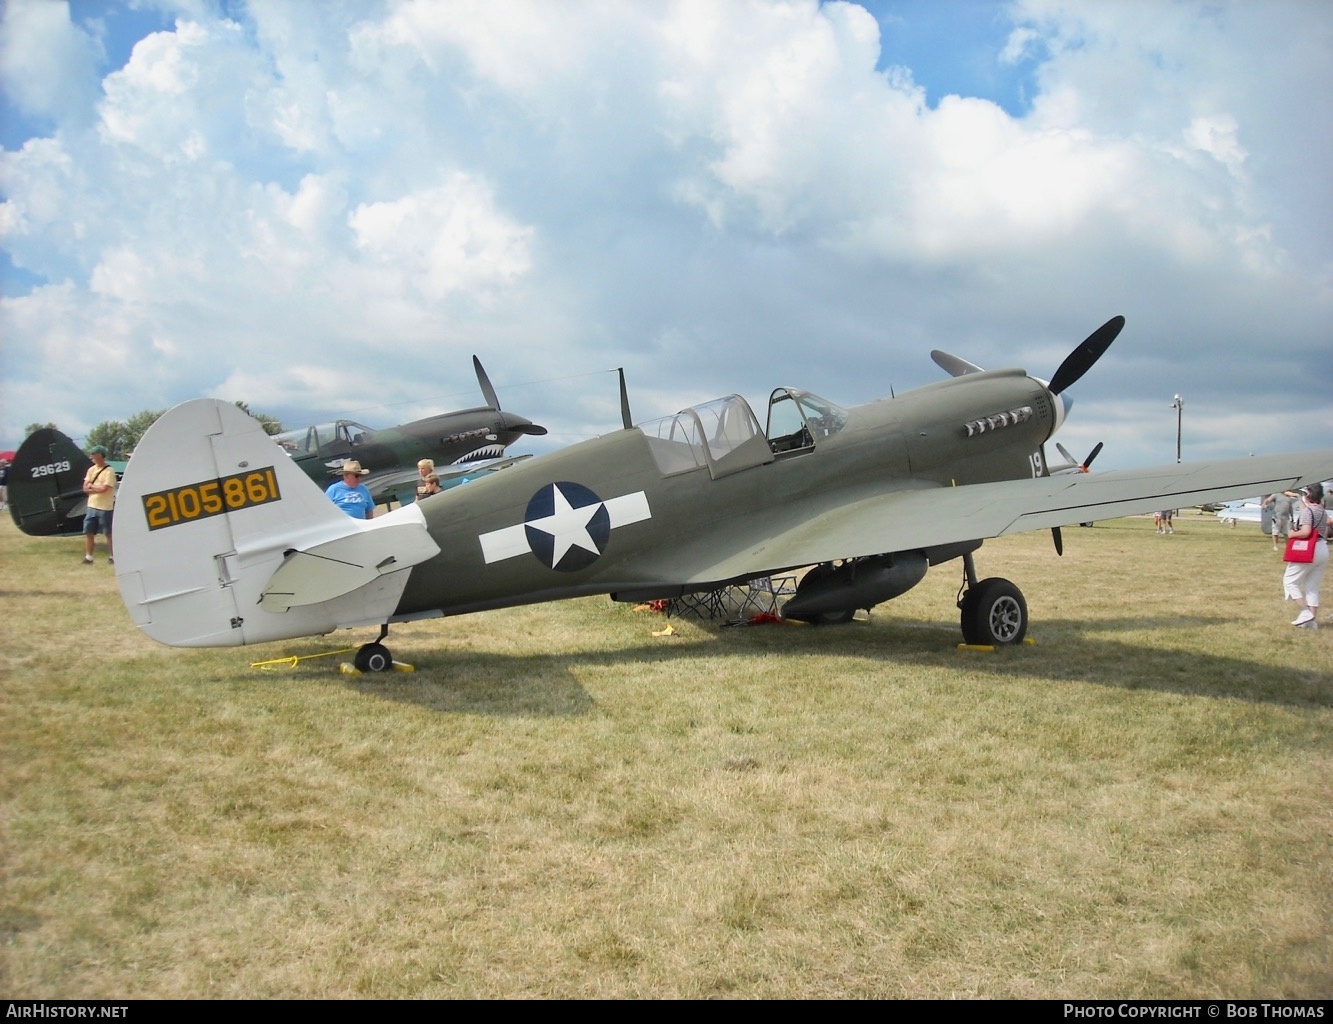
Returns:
point(295, 658)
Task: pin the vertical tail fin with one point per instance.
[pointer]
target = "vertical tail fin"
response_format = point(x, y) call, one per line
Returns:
point(46, 485)
point(211, 510)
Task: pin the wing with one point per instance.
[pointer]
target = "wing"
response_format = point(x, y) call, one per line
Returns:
point(905, 520)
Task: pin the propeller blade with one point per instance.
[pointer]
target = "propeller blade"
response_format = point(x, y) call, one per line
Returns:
point(1080, 361)
point(955, 366)
point(1082, 467)
point(487, 392)
point(1056, 535)
point(509, 421)
point(1092, 455)
point(624, 400)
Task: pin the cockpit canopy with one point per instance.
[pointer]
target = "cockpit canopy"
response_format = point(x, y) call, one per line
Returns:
point(798, 419)
point(324, 438)
point(724, 434)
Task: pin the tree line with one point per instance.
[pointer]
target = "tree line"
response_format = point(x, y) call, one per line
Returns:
point(121, 437)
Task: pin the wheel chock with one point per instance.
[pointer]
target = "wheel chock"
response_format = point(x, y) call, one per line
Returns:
point(1027, 641)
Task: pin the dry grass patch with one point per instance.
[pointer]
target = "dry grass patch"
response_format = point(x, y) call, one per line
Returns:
point(557, 803)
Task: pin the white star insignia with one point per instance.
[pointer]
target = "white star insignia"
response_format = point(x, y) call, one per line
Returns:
point(568, 525)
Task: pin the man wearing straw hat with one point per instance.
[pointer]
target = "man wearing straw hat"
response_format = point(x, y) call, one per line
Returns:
point(350, 494)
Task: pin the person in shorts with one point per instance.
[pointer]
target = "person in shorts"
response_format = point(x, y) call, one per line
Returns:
point(1284, 507)
point(99, 484)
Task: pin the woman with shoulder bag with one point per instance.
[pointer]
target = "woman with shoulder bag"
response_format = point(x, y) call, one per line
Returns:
point(1306, 542)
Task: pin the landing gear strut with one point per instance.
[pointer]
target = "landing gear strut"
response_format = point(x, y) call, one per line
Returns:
point(374, 657)
point(992, 611)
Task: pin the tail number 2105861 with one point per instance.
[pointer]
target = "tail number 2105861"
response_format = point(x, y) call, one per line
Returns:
point(211, 498)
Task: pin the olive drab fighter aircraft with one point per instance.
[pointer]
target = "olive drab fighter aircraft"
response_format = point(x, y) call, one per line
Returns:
point(220, 541)
point(475, 438)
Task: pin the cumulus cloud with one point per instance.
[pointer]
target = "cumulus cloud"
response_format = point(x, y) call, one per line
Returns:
point(47, 64)
point(444, 240)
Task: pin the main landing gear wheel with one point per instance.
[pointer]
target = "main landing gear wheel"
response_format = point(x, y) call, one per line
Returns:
point(373, 658)
point(994, 613)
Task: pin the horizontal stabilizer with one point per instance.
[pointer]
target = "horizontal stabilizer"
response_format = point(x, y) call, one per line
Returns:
point(340, 566)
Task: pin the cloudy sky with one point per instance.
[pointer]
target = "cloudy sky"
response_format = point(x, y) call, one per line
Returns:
point(324, 209)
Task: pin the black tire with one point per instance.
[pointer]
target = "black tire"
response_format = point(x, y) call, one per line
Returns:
point(373, 658)
point(994, 613)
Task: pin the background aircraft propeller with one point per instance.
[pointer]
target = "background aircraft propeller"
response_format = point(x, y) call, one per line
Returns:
point(1082, 466)
point(493, 402)
point(487, 391)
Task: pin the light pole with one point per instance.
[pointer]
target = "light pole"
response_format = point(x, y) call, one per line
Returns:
point(1179, 405)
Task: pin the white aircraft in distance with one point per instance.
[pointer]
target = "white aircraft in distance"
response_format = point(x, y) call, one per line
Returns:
point(1253, 510)
point(1248, 510)
point(220, 542)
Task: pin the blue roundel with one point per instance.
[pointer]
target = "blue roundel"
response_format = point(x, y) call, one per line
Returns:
point(567, 526)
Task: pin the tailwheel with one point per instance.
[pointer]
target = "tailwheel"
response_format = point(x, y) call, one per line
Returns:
point(993, 613)
point(373, 658)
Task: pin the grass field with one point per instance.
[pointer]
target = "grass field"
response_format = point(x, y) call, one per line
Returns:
point(559, 804)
